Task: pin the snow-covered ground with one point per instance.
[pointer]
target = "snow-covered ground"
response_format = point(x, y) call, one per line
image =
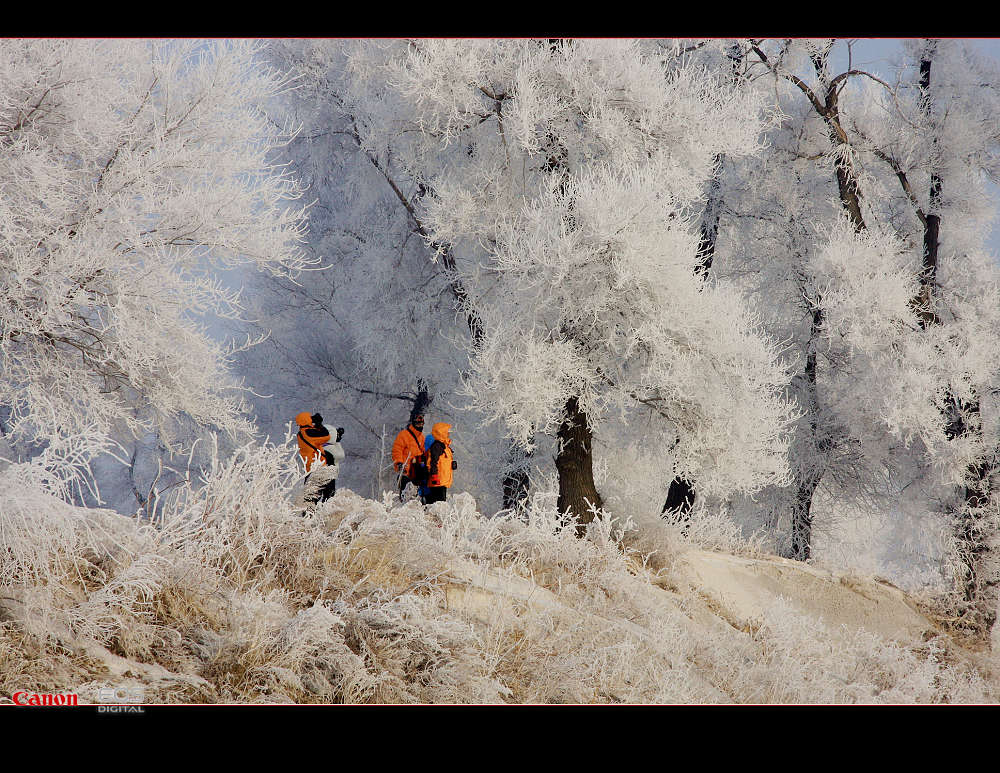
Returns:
point(378, 602)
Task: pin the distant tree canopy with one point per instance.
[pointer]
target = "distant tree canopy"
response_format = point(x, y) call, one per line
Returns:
point(774, 260)
point(131, 170)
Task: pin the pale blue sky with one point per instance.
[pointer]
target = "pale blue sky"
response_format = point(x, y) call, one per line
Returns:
point(874, 54)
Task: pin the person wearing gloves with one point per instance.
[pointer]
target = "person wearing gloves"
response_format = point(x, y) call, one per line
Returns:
point(408, 453)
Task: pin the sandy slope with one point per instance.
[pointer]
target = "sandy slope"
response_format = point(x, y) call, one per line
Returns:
point(735, 590)
point(742, 588)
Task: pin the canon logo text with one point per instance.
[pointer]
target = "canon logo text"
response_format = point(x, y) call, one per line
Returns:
point(44, 699)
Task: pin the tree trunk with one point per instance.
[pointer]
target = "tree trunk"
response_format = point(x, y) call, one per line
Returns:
point(932, 220)
point(848, 190)
point(680, 496)
point(710, 220)
point(978, 575)
point(809, 475)
point(421, 399)
point(516, 481)
point(680, 500)
point(575, 463)
point(801, 546)
point(681, 493)
point(972, 528)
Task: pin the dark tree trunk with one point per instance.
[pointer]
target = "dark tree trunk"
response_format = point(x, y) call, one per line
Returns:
point(813, 465)
point(932, 238)
point(575, 463)
point(980, 589)
point(801, 545)
point(516, 482)
point(680, 500)
point(848, 189)
point(847, 185)
point(680, 496)
point(809, 475)
point(710, 221)
point(932, 220)
point(422, 399)
point(980, 592)
point(923, 304)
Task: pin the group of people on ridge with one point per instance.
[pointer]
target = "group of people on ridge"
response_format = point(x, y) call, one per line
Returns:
point(426, 462)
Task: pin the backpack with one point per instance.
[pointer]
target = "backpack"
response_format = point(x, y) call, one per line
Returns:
point(420, 472)
point(418, 466)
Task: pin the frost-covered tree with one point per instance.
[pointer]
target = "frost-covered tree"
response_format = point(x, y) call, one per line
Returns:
point(836, 231)
point(373, 334)
point(936, 138)
point(134, 174)
point(563, 185)
point(812, 151)
point(831, 278)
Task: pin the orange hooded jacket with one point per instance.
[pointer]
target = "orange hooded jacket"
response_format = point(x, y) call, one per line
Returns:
point(310, 446)
point(441, 457)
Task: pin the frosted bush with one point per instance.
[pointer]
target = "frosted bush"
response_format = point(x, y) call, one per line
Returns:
point(369, 601)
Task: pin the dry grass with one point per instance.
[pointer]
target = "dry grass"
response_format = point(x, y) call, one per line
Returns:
point(370, 602)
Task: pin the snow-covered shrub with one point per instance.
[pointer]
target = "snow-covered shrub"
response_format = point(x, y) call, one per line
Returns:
point(233, 596)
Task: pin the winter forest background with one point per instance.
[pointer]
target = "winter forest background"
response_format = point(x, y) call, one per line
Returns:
point(761, 274)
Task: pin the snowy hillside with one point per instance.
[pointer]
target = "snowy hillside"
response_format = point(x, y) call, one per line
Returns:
point(232, 602)
point(722, 279)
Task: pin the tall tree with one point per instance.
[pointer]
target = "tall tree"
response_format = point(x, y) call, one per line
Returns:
point(791, 249)
point(946, 130)
point(564, 178)
point(813, 442)
point(132, 172)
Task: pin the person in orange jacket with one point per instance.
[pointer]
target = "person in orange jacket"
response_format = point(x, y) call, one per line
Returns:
point(408, 453)
point(311, 439)
point(312, 436)
point(440, 464)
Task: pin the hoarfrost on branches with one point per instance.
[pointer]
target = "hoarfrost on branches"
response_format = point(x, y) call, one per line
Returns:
point(133, 170)
point(565, 181)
